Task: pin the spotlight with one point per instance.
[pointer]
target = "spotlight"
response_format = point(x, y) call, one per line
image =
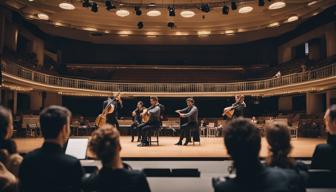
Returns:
point(86, 3)
point(205, 8)
point(138, 11)
point(225, 10)
point(171, 11)
point(171, 25)
point(140, 25)
point(261, 3)
point(109, 5)
point(94, 7)
point(233, 5)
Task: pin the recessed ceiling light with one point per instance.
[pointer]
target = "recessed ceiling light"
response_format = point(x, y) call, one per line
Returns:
point(277, 5)
point(292, 18)
point(106, 31)
point(316, 13)
point(154, 13)
point(312, 3)
point(152, 33)
point(125, 32)
point(122, 13)
point(245, 9)
point(179, 33)
point(43, 16)
point(66, 6)
point(89, 29)
point(59, 24)
point(30, 0)
point(275, 24)
point(187, 13)
point(242, 30)
point(203, 33)
point(229, 32)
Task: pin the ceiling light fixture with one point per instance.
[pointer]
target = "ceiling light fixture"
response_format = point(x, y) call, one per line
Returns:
point(154, 13)
point(312, 3)
point(203, 33)
point(187, 13)
point(245, 9)
point(277, 5)
point(89, 29)
point(58, 24)
point(42, 16)
point(66, 6)
point(292, 18)
point(229, 32)
point(122, 13)
point(275, 24)
point(179, 33)
point(125, 32)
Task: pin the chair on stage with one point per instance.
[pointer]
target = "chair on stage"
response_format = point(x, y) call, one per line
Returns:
point(155, 133)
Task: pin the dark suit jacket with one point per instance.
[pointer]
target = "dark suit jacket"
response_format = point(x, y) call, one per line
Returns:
point(117, 180)
point(324, 156)
point(49, 169)
point(8, 145)
point(265, 180)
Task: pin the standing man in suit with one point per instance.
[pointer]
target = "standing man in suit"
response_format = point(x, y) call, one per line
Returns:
point(154, 121)
point(48, 168)
point(112, 118)
point(191, 113)
point(324, 156)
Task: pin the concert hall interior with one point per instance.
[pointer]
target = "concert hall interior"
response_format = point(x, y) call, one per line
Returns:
point(168, 95)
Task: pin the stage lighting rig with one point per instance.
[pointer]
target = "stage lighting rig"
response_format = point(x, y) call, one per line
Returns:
point(225, 10)
point(94, 7)
point(171, 11)
point(171, 25)
point(140, 25)
point(86, 3)
point(205, 8)
point(233, 5)
point(109, 5)
point(138, 11)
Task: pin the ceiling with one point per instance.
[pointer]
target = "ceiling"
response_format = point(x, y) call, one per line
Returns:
point(204, 28)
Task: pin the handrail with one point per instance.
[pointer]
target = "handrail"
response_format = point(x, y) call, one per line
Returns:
point(28, 74)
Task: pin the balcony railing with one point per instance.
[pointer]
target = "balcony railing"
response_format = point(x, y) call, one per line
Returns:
point(64, 82)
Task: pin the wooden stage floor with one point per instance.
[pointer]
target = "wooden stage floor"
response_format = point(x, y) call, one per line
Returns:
point(209, 148)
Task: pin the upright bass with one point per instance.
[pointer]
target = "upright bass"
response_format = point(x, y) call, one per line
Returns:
point(101, 119)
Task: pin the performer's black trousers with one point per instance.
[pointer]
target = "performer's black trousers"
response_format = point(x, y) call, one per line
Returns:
point(185, 130)
point(135, 129)
point(113, 121)
point(146, 129)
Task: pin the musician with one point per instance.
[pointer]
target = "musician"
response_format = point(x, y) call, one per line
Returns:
point(154, 121)
point(137, 120)
point(239, 106)
point(191, 113)
point(111, 118)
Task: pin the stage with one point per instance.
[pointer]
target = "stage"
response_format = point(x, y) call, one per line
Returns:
point(210, 148)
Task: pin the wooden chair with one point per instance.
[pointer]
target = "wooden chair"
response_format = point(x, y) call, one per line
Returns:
point(156, 134)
